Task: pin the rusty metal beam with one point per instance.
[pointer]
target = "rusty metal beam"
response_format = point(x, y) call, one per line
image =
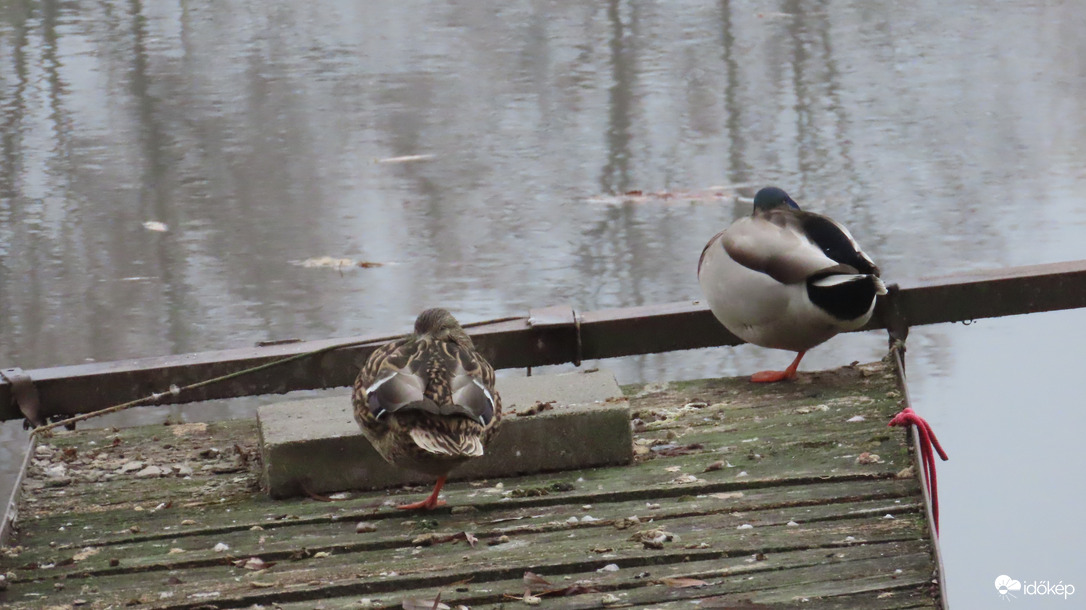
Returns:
point(994, 293)
point(526, 341)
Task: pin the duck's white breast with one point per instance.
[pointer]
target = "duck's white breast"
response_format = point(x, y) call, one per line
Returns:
point(759, 309)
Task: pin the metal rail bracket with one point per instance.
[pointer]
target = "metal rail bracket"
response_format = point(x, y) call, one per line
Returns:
point(558, 316)
point(24, 395)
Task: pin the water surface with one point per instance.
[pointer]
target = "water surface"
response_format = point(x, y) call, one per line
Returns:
point(947, 137)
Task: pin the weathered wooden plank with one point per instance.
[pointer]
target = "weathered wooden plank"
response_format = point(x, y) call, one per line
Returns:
point(791, 586)
point(723, 510)
point(516, 342)
point(906, 597)
point(9, 511)
point(551, 552)
point(479, 594)
point(344, 572)
point(658, 479)
point(754, 432)
point(487, 512)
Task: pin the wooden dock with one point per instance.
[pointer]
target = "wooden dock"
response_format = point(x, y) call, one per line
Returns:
point(741, 496)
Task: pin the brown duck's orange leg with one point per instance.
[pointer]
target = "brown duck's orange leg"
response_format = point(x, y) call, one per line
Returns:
point(787, 374)
point(429, 503)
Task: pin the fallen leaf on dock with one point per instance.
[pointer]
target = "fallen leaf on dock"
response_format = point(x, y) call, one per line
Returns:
point(528, 598)
point(576, 589)
point(85, 553)
point(673, 450)
point(189, 429)
point(728, 603)
point(506, 519)
point(531, 578)
point(538, 407)
point(868, 458)
point(727, 495)
point(654, 538)
point(424, 604)
point(430, 539)
point(253, 563)
point(683, 583)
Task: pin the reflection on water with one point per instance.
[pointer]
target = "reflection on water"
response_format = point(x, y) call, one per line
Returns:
point(946, 137)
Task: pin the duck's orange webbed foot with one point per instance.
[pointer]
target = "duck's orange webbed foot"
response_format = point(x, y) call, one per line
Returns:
point(771, 376)
point(429, 503)
point(423, 504)
point(787, 374)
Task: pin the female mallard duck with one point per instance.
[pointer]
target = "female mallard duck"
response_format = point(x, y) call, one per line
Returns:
point(787, 279)
point(427, 401)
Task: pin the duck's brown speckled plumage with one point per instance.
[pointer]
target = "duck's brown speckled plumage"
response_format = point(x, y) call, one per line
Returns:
point(427, 401)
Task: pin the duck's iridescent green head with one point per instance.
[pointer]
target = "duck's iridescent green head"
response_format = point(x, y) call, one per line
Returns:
point(772, 197)
point(441, 325)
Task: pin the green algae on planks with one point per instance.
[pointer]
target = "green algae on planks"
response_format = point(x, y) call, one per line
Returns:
point(762, 493)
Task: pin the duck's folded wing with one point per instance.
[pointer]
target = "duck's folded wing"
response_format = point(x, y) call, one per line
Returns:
point(836, 242)
point(779, 251)
point(387, 382)
point(474, 398)
point(393, 391)
point(472, 387)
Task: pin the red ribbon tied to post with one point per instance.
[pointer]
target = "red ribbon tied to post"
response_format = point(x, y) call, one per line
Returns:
point(907, 418)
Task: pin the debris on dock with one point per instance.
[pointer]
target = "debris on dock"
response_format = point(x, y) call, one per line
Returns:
point(739, 496)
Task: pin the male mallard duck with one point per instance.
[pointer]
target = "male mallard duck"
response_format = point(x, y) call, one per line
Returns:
point(427, 401)
point(787, 279)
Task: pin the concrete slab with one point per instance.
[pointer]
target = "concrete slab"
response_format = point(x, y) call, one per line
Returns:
point(316, 445)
